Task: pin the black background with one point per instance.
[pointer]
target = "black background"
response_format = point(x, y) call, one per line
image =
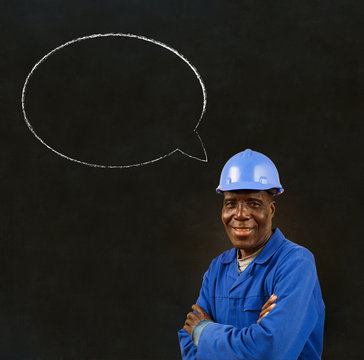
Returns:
point(105, 263)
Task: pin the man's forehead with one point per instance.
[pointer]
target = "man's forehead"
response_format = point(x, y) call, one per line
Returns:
point(245, 194)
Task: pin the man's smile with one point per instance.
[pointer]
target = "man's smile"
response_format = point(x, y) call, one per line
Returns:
point(242, 230)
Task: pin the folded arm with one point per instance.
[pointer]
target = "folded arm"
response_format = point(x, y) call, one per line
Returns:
point(280, 335)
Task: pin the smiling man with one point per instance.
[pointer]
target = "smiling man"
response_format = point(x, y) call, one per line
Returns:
point(261, 299)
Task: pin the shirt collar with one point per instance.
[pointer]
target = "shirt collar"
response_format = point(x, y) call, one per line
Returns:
point(271, 247)
point(274, 242)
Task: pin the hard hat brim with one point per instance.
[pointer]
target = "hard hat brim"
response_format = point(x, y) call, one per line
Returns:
point(248, 185)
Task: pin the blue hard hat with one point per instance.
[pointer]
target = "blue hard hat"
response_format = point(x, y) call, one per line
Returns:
point(249, 170)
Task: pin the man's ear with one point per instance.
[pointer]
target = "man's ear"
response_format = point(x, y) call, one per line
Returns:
point(273, 207)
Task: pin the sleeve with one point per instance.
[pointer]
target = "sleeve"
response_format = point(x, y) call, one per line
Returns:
point(280, 335)
point(196, 332)
point(188, 349)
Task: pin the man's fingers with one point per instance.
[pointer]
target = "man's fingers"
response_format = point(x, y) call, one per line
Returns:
point(266, 310)
point(192, 319)
point(270, 301)
point(192, 315)
point(261, 316)
point(198, 309)
point(188, 329)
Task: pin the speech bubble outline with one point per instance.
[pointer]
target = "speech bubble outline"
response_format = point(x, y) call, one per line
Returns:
point(140, 37)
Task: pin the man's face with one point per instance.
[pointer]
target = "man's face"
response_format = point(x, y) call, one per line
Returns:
point(247, 216)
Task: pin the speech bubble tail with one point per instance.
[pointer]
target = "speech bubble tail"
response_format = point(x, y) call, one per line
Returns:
point(193, 147)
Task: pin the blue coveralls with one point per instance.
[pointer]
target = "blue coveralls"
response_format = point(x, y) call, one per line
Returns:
point(292, 330)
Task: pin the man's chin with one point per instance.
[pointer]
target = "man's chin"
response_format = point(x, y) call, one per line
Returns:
point(244, 243)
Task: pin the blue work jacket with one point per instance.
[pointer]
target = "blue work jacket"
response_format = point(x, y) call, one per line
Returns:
point(292, 330)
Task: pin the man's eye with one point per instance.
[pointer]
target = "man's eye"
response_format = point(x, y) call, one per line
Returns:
point(254, 204)
point(230, 204)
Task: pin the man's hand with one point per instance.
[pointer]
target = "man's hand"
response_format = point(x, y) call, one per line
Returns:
point(268, 306)
point(193, 319)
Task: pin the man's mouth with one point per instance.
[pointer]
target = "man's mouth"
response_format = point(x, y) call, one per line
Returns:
point(242, 230)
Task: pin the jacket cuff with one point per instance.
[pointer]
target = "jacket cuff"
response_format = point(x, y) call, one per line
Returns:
point(196, 332)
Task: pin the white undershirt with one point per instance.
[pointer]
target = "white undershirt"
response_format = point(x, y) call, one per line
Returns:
point(244, 262)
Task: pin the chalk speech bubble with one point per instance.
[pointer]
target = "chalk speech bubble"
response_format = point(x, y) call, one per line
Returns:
point(115, 35)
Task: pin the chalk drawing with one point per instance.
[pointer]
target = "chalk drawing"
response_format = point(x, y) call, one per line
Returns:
point(140, 37)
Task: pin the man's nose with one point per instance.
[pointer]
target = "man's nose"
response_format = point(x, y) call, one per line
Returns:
point(242, 212)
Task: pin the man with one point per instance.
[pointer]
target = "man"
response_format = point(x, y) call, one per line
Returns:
point(261, 299)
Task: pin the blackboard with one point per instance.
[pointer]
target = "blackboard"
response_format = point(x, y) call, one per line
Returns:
point(104, 262)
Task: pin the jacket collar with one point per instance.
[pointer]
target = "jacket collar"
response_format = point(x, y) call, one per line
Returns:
point(274, 242)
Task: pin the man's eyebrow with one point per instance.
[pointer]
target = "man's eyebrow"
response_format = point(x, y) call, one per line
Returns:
point(254, 199)
point(229, 198)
